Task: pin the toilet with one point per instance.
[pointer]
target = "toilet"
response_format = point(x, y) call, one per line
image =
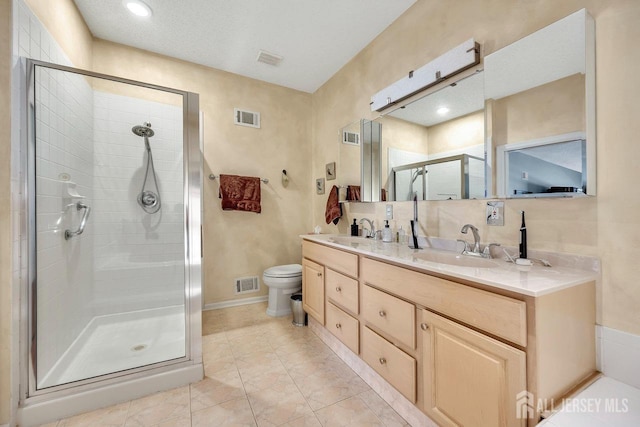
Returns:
point(282, 281)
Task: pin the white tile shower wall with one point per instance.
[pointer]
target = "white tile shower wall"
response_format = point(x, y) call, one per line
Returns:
point(139, 257)
point(63, 132)
point(618, 355)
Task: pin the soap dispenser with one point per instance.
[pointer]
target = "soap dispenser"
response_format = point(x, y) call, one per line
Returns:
point(387, 236)
point(354, 228)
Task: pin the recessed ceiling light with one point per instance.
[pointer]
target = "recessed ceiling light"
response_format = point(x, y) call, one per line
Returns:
point(442, 111)
point(137, 7)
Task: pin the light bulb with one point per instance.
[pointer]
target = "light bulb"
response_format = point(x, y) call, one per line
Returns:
point(137, 7)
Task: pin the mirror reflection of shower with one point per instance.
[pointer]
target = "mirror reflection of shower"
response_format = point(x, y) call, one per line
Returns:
point(149, 197)
point(418, 172)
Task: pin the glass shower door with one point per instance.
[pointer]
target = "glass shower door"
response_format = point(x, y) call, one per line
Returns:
point(109, 235)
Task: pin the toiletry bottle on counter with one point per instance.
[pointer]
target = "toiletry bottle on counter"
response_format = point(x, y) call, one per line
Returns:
point(387, 236)
point(354, 228)
point(402, 236)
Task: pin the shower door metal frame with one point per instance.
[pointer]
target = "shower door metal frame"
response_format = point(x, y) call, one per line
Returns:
point(192, 185)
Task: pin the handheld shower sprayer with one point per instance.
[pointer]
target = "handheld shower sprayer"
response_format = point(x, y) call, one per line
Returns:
point(149, 198)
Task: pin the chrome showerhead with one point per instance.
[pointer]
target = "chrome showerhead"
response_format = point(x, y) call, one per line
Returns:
point(144, 130)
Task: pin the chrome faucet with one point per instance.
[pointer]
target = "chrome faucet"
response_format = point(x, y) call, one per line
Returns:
point(475, 251)
point(371, 231)
point(476, 237)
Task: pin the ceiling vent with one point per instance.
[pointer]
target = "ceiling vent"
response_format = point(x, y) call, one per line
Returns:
point(269, 58)
point(246, 118)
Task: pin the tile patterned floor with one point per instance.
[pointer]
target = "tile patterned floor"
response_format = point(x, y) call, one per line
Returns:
point(259, 371)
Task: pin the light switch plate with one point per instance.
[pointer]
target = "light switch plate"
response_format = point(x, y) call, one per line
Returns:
point(389, 211)
point(495, 213)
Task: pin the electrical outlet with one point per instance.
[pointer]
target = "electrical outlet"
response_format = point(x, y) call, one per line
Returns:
point(495, 213)
point(389, 211)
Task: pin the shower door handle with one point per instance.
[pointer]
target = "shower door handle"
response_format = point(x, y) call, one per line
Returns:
point(83, 222)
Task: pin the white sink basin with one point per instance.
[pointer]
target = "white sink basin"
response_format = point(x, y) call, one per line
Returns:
point(352, 241)
point(454, 258)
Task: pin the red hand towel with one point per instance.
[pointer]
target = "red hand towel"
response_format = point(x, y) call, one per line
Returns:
point(353, 193)
point(333, 212)
point(241, 193)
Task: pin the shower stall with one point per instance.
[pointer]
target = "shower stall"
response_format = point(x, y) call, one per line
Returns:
point(112, 205)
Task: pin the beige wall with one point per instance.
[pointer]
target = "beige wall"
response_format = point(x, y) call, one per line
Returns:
point(5, 210)
point(237, 244)
point(607, 226)
point(66, 25)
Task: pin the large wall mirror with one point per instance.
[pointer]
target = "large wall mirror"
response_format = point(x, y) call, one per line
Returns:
point(522, 127)
point(540, 103)
point(434, 147)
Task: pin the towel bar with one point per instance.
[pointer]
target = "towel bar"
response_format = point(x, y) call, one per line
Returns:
point(212, 177)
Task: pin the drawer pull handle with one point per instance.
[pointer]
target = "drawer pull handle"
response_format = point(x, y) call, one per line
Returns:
point(424, 326)
point(338, 325)
point(319, 274)
point(382, 313)
point(338, 289)
point(382, 360)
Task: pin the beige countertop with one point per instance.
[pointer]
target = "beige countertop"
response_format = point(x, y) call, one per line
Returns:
point(536, 280)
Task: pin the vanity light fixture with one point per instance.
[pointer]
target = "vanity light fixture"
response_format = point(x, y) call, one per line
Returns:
point(442, 111)
point(137, 7)
point(458, 59)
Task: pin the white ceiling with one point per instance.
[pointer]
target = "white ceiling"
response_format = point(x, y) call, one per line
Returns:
point(315, 37)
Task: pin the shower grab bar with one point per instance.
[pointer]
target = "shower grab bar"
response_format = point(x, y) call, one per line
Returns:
point(83, 222)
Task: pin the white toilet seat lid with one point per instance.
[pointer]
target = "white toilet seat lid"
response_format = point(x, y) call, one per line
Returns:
point(288, 270)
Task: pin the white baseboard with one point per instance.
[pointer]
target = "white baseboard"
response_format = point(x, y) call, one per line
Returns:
point(617, 355)
point(235, 302)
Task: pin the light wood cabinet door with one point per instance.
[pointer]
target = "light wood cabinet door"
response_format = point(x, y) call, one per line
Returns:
point(470, 379)
point(313, 289)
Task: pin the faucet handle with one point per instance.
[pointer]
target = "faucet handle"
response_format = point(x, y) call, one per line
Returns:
point(487, 249)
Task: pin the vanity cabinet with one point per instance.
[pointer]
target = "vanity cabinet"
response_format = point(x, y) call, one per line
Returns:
point(313, 289)
point(329, 279)
point(469, 378)
point(461, 351)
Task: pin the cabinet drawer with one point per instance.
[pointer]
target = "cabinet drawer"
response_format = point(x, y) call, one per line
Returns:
point(393, 364)
point(499, 315)
point(390, 315)
point(342, 290)
point(343, 326)
point(344, 262)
